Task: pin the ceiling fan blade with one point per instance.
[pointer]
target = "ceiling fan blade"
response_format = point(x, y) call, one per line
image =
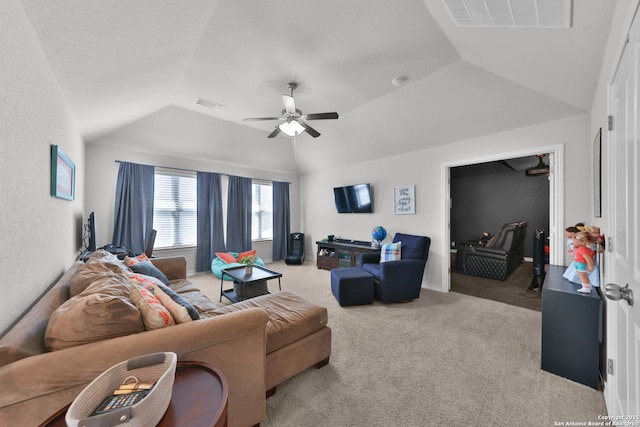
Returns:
point(275, 132)
point(255, 119)
point(320, 116)
point(311, 131)
point(289, 104)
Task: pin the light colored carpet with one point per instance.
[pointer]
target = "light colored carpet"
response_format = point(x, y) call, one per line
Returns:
point(442, 360)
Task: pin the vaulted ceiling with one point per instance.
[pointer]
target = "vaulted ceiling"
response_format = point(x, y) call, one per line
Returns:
point(118, 62)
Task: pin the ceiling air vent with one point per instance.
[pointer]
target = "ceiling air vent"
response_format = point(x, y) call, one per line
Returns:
point(510, 13)
point(209, 104)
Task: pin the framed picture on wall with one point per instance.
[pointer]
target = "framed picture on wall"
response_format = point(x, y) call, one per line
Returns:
point(597, 177)
point(63, 174)
point(404, 200)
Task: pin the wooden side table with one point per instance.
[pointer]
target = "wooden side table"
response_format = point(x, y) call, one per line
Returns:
point(199, 398)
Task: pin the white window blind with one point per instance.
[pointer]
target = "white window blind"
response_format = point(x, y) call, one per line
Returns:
point(262, 211)
point(175, 208)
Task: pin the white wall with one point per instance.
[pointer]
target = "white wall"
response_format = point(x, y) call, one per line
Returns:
point(423, 169)
point(129, 144)
point(599, 111)
point(40, 233)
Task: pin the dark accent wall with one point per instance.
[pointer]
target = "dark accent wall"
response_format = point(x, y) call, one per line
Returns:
point(488, 195)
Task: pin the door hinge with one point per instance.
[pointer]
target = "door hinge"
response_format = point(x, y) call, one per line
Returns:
point(610, 122)
point(610, 244)
point(610, 366)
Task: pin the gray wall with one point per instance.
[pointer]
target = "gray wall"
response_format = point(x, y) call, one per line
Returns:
point(487, 195)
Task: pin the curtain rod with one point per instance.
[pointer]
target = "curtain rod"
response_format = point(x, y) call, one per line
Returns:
point(186, 170)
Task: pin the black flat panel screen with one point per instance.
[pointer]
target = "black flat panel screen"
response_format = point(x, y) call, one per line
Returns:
point(353, 199)
point(91, 225)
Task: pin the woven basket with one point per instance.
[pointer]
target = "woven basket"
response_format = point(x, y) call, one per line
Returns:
point(157, 367)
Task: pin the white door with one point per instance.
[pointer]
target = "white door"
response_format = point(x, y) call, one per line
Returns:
point(622, 390)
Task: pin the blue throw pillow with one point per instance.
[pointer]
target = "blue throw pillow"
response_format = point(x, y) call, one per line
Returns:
point(148, 269)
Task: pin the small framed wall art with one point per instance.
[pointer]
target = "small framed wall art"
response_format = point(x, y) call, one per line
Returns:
point(404, 200)
point(63, 174)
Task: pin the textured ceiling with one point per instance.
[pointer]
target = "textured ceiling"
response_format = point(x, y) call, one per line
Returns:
point(119, 61)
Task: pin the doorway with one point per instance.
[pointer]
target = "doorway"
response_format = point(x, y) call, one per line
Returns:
point(556, 211)
point(485, 197)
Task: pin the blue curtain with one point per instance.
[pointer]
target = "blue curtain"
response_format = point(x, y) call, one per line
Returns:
point(239, 202)
point(133, 213)
point(210, 226)
point(281, 219)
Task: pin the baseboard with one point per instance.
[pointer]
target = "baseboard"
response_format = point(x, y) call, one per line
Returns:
point(432, 287)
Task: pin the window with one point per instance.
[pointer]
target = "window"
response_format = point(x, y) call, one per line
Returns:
point(175, 208)
point(262, 211)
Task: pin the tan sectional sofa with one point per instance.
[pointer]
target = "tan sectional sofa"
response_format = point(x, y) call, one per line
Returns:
point(257, 344)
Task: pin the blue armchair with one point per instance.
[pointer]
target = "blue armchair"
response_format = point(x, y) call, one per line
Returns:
point(399, 281)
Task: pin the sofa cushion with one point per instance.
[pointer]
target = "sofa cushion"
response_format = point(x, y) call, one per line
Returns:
point(93, 317)
point(94, 271)
point(107, 257)
point(291, 317)
point(390, 252)
point(187, 290)
point(109, 285)
point(154, 314)
point(148, 269)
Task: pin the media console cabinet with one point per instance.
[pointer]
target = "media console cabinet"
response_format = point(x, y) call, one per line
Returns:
point(572, 329)
point(341, 252)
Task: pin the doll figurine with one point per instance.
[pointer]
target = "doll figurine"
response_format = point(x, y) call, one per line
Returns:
point(597, 239)
point(570, 231)
point(583, 259)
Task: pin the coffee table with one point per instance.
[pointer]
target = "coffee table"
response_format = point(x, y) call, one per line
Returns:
point(247, 285)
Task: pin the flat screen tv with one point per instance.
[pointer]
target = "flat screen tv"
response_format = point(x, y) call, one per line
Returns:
point(91, 230)
point(353, 199)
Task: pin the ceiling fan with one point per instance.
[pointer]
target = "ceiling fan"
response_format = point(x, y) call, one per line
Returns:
point(293, 121)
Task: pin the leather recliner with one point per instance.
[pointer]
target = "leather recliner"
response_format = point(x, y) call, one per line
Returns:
point(498, 258)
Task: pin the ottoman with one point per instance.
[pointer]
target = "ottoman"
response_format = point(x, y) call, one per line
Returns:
point(352, 286)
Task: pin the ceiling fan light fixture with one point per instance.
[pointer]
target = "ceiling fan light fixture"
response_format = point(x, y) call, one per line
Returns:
point(291, 128)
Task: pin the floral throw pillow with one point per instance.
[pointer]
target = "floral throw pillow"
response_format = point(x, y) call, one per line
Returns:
point(154, 314)
point(129, 261)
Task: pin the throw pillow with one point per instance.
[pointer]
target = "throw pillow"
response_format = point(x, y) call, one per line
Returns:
point(193, 313)
point(179, 308)
point(89, 318)
point(243, 255)
point(129, 261)
point(178, 312)
point(154, 314)
point(390, 252)
point(148, 269)
point(226, 257)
